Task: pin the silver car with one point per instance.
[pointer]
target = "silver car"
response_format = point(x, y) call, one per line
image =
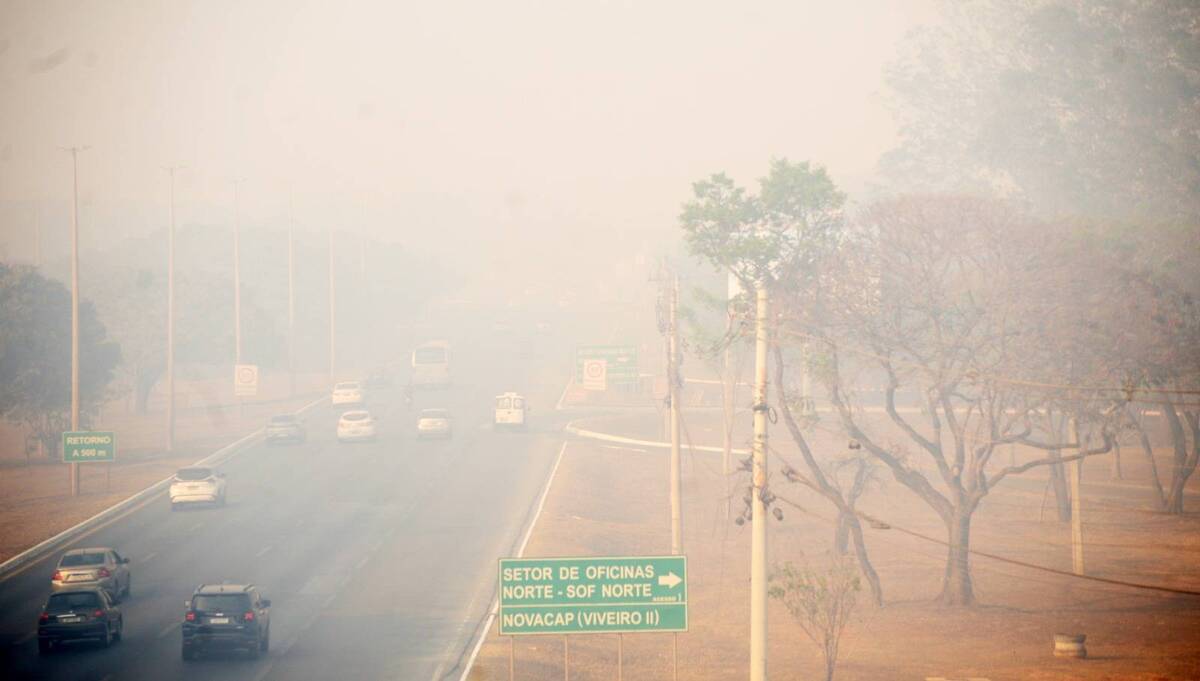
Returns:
point(95, 568)
point(285, 428)
point(434, 423)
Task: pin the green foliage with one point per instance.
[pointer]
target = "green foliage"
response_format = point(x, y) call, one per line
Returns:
point(1078, 106)
point(35, 353)
point(771, 237)
point(821, 602)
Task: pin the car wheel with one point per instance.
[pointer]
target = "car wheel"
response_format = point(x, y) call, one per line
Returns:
point(128, 586)
point(266, 642)
point(108, 637)
point(44, 647)
point(187, 654)
point(120, 630)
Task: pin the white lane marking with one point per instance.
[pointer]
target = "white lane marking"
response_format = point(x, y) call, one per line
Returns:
point(483, 631)
point(148, 557)
point(196, 527)
point(624, 449)
point(26, 638)
point(168, 629)
point(263, 551)
point(361, 563)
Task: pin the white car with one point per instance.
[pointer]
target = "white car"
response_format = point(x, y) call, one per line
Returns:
point(197, 485)
point(511, 410)
point(348, 392)
point(434, 423)
point(356, 425)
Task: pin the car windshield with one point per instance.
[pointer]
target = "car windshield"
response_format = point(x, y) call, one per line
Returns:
point(194, 473)
point(221, 603)
point(355, 416)
point(66, 602)
point(346, 386)
point(81, 559)
point(284, 419)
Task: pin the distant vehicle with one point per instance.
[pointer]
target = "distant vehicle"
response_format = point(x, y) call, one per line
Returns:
point(434, 423)
point(197, 484)
point(226, 617)
point(79, 615)
point(95, 568)
point(431, 365)
point(379, 378)
point(348, 392)
point(285, 428)
point(356, 425)
point(511, 411)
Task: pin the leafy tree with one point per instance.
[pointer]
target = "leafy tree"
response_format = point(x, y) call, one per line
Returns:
point(35, 354)
point(780, 239)
point(1077, 106)
point(821, 602)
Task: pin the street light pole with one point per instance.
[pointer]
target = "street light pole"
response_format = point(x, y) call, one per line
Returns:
point(171, 316)
point(332, 312)
point(673, 391)
point(291, 303)
point(237, 278)
point(75, 305)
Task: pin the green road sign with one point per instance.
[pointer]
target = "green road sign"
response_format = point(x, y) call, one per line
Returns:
point(620, 360)
point(84, 446)
point(612, 595)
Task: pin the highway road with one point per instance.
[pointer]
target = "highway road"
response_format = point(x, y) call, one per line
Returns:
point(379, 558)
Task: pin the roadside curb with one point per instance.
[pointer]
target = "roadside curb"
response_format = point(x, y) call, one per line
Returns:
point(39, 551)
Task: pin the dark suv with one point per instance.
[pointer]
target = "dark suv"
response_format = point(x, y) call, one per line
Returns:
point(226, 617)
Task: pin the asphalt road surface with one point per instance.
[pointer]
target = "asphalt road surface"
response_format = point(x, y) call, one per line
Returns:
point(379, 558)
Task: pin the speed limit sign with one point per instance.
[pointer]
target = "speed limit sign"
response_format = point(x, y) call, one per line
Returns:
point(595, 374)
point(245, 380)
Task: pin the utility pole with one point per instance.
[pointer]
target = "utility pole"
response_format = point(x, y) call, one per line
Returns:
point(728, 392)
point(37, 236)
point(75, 305)
point(1074, 471)
point(332, 311)
point(291, 251)
point(237, 277)
point(171, 316)
point(673, 391)
point(758, 550)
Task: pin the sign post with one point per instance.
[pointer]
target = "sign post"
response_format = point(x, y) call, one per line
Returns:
point(620, 364)
point(609, 595)
point(245, 380)
point(89, 446)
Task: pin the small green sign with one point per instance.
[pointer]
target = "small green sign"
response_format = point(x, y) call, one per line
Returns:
point(85, 446)
point(626, 594)
point(620, 361)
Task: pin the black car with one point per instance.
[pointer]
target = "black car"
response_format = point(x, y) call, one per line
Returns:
point(226, 617)
point(73, 615)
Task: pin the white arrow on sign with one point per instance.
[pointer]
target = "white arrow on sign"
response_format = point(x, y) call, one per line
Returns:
point(670, 580)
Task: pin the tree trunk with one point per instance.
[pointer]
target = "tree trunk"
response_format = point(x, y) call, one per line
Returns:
point(1160, 497)
point(1115, 473)
point(956, 586)
point(1183, 464)
point(864, 562)
point(1058, 480)
point(841, 534)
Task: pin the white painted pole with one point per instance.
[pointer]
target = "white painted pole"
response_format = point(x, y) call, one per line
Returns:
point(171, 317)
point(75, 308)
point(1075, 470)
point(758, 550)
point(673, 381)
point(237, 278)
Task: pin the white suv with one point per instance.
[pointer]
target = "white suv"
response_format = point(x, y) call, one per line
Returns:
point(349, 392)
point(197, 484)
point(356, 425)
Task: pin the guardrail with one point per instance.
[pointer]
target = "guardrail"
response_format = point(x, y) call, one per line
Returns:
point(40, 550)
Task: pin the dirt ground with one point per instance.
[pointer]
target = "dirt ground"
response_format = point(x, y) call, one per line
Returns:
point(35, 501)
point(612, 501)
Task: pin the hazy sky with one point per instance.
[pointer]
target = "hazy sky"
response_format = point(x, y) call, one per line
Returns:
point(574, 123)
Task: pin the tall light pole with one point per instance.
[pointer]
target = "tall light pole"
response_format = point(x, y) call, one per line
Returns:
point(758, 541)
point(75, 305)
point(332, 312)
point(171, 315)
point(237, 277)
point(291, 303)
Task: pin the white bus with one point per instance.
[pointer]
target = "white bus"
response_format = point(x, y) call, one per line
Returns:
point(431, 365)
